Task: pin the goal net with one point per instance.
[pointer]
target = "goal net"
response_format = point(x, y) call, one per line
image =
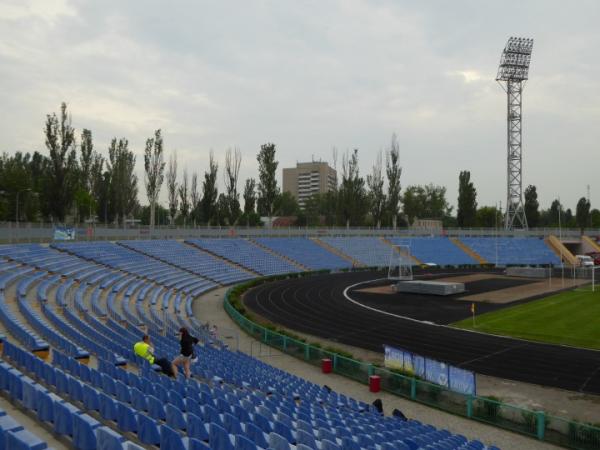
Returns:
point(401, 262)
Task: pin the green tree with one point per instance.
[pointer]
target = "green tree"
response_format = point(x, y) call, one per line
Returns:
point(425, 202)
point(233, 161)
point(123, 181)
point(286, 205)
point(376, 195)
point(184, 197)
point(393, 172)
point(582, 213)
point(154, 168)
point(595, 218)
point(62, 176)
point(172, 190)
point(532, 206)
point(467, 201)
point(210, 193)
point(488, 217)
point(352, 197)
point(194, 197)
point(267, 179)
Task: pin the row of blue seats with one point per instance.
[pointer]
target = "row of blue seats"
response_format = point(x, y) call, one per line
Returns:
point(306, 252)
point(14, 436)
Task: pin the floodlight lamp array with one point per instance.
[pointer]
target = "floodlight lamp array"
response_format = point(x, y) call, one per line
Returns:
point(515, 60)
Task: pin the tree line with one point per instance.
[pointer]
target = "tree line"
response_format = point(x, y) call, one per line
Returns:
point(74, 183)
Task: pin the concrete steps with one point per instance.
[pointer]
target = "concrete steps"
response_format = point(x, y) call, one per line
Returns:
point(469, 251)
point(561, 250)
point(337, 252)
point(414, 259)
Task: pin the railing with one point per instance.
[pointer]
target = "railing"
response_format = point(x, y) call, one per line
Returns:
point(535, 424)
point(44, 232)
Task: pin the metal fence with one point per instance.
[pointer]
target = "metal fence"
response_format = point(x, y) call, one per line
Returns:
point(535, 424)
point(43, 232)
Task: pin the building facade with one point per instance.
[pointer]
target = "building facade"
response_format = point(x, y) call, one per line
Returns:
point(307, 179)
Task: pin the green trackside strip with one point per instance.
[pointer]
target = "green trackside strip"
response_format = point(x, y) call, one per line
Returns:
point(568, 318)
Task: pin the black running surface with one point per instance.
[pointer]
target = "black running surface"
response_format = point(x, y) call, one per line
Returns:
point(317, 305)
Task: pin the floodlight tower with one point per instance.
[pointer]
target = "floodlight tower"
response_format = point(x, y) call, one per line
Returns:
point(512, 74)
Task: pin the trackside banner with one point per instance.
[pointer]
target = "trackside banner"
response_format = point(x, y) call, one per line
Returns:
point(64, 234)
point(453, 378)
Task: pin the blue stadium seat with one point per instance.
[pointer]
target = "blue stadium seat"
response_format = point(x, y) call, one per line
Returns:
point(109, 440)
point(277, 442)
point(63, 418)
point(7, 424)
point(219, 438)
point(23, 440)
point(174, 417)
point(84, 431)
point(126, 418)
point(108, 407)
point(148, 430)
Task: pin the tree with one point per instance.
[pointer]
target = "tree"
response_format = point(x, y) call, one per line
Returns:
point(209, 191)
point(532, 206)
point(154, 166)
point(96, 178)
point(286, 205)
point(467, 201)
point(393, 172)
point(233, 161)
point(488, 217)
point(194, 197)
point(123, 181)
point(352, 196)
point(595, 218)
point(172, 186)
point(267, 184)
point(425, 202)
point(60, 142)
point(86, 159)
point(376, 195)
point(184, 197)
point(250, 195)
point(555, 212)
point(582, 213)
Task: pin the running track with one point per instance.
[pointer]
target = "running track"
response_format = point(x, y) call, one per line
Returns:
point(317, 306)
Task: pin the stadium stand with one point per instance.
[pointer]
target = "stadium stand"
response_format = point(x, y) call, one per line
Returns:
point(306, 252)
point(369, 251)
point(517, 251)
point(436, 250)
point(80, 307)
point(247, 255)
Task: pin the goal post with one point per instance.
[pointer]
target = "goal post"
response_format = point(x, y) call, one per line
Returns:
point(400, 263)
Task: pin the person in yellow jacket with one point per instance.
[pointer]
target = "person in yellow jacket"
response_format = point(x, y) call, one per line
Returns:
point(144, 349)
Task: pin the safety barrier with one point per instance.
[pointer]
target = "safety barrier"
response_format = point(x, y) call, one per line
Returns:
point(535, 424)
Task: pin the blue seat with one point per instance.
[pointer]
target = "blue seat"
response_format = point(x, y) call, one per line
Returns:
point(148, 430)
point(15, 384)
point(365, 441)
point(283, 430)
point(241, 413)
point(108, 407)
point(243, 443)
point(176, 399)
point(84, 432)
point(31, 395)
point(91, 398)
point(302, 437)
point(278, 442)
point(122, 392)
point(350, 444)
point(84, 373)
point(219, 438)
point(156, 409)
point(23, 440)
point(63, 418)
point(108, 384)
point(138, 400)
point(211, 414)
point(62, 382)
point(126, 418)
point(256, 434)
point(174, 417)
point(196, 428)
point(325, 433)
point(326, 444)
point(192, 406)
point(7, 424)
point(232, 424)
point(172, 440)
point(304, 447)
point(262, 422)
point(75, 389)
point(45, 412)
point(108, 439)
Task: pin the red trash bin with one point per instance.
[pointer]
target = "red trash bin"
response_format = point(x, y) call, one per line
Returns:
point(374, 383)
point(326, 365)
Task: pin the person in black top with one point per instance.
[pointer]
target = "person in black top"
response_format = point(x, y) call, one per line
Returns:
point(186, 353)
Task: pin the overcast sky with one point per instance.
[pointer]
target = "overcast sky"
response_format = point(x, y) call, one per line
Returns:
point(310, 75)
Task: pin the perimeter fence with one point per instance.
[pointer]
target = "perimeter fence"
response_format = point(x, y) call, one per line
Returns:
point(489, 410)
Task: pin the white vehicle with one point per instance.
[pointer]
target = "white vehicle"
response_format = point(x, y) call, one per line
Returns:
point(585, 260)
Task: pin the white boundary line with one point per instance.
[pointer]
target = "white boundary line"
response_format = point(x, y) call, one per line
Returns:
point(425, 322)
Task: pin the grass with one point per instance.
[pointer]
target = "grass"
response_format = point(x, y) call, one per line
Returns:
point(568, 318)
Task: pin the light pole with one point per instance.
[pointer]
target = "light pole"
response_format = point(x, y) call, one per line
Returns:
point(17, 207)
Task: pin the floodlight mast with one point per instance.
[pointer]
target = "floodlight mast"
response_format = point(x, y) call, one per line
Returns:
point(512, 74)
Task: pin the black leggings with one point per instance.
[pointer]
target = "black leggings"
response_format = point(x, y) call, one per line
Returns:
point(165, 366)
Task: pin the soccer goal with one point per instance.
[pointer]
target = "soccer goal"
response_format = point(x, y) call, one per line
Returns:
point(400, 266)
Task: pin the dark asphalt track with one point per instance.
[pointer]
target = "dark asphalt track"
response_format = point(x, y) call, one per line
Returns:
point(317, 306)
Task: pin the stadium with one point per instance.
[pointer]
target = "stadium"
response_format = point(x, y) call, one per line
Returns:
point(156, 293)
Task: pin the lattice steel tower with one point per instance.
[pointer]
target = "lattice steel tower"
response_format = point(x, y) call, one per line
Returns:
point(512, 74)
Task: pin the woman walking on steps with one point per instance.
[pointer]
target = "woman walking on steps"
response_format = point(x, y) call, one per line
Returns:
point(186, 353)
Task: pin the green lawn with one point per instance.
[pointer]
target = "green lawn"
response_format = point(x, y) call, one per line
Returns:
point(569, 318)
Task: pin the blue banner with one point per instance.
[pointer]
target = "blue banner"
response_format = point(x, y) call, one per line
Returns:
point(454, 378)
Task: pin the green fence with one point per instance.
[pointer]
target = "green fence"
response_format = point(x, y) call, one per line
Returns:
point(536, 424)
